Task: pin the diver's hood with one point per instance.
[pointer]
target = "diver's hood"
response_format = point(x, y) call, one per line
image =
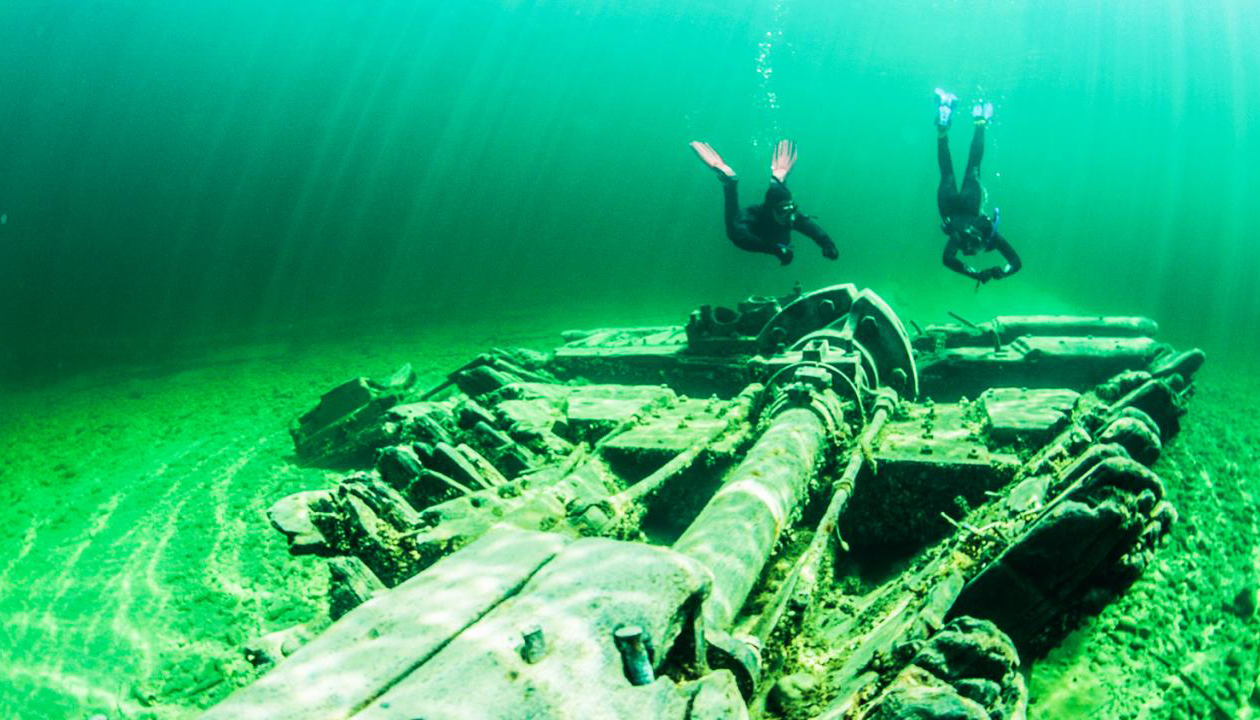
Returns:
point(777, 194)
point(973, 233)
point(958, 223)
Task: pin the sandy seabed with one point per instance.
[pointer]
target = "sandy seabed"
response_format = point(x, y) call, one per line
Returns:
point(136, 557)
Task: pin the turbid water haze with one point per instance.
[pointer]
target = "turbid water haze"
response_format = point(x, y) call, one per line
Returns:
point(181, 170)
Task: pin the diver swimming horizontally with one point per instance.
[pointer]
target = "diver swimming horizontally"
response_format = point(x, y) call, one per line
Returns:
point(969, 230)
point(767, 227)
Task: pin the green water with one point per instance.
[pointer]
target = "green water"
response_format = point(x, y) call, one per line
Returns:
point(181, 169)
point(213, 211)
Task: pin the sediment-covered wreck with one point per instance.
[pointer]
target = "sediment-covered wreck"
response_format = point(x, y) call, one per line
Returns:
point(789, 509)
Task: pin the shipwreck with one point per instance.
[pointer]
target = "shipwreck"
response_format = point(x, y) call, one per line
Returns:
point(794, 508)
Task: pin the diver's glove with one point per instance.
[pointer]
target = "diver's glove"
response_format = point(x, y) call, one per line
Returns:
point(784, 253)
point(987, 274)
point(830, 252)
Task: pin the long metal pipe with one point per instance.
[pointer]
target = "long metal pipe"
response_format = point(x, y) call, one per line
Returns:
point(803, 579)
point(737, 531)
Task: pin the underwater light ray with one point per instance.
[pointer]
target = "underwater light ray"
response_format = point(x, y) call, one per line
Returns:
point(342, 141)
point(219, 145)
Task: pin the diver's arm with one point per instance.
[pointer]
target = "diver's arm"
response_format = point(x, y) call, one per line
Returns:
point(950, 258)
point(812, 230)
point(1013, 263)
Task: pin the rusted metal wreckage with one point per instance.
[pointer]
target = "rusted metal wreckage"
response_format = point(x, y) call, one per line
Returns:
point(787, 509)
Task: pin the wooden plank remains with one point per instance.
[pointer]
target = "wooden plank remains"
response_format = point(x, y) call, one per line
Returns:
point(380, 642)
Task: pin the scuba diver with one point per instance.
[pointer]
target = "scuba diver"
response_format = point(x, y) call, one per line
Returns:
point(766, 228)
point(969, 230)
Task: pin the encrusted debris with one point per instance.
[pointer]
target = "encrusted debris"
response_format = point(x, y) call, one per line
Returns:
point(792, 507)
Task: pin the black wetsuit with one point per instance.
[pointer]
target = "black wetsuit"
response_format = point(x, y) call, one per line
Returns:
point(969, 231)
point(754, 228)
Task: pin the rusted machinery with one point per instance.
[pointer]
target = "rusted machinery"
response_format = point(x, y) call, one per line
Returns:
point(787, 509)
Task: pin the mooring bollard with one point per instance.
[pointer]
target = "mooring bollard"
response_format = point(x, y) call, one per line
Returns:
point(632, 643)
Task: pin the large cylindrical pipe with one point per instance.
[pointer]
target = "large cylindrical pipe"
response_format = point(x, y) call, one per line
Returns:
point(737, 531)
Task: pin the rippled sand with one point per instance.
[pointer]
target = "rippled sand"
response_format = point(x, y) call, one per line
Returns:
point(135, 555)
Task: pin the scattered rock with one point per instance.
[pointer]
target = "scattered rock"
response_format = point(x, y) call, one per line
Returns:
point(1244, 603)
point(292, 517)
point(1235, 658)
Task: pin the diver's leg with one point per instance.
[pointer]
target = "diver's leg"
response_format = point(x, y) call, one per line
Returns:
point(730, 204)
point(738, 227)
point(947, 190)
point(976, 154)
point(971, 193)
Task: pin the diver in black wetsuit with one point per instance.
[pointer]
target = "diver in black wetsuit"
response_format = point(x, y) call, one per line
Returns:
point(970, 231)
point(766, 228)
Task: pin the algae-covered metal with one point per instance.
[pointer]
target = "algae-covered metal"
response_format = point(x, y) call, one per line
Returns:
point(787, 509)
